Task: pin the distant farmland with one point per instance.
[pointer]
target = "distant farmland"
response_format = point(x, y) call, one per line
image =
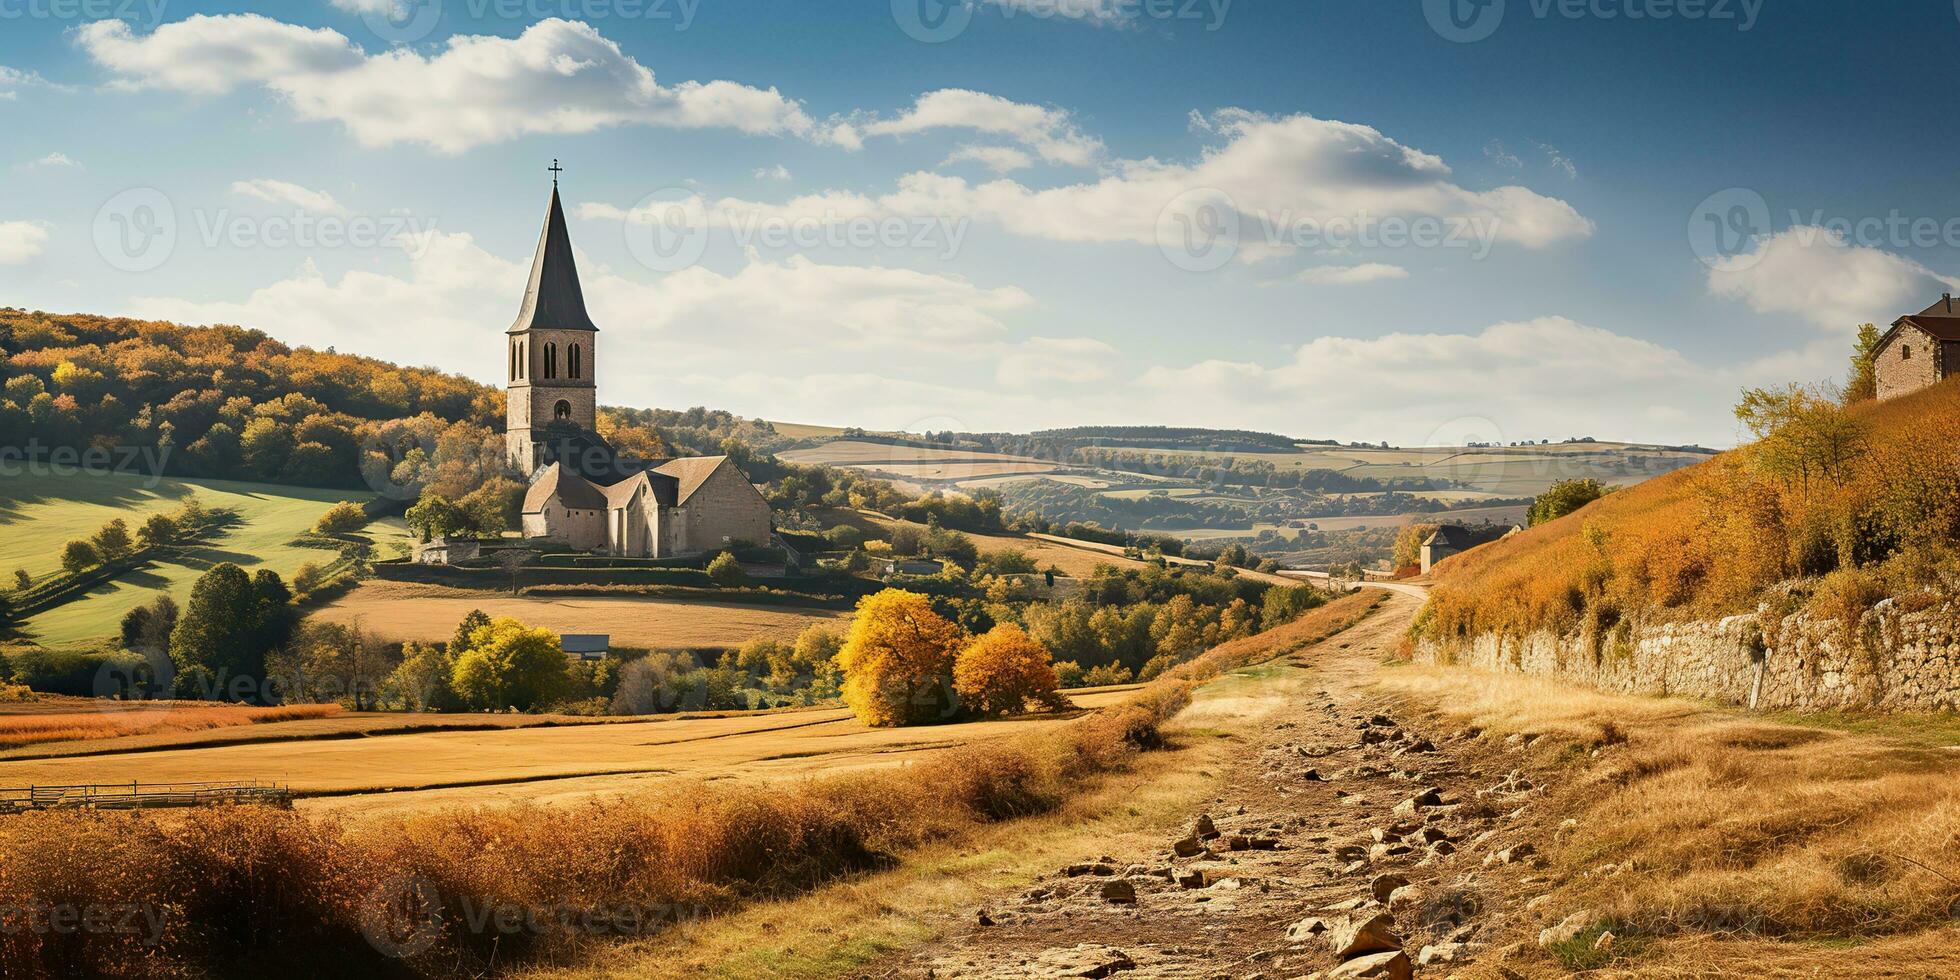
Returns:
point(426, 613)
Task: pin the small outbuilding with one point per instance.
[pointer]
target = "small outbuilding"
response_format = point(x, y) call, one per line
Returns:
point(1920, 350)
point(1448, 540)
point(585, 646)
point(447, 550)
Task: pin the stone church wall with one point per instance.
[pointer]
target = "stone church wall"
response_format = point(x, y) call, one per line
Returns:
point(724, 510)
point(1893, 660)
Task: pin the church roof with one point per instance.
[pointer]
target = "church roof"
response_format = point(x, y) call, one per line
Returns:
point(573, 491)
point(553, 299)
point(690, 473)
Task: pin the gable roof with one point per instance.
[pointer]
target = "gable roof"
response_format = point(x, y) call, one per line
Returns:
point(1947, 306)
point(1450, 536)
point(1937, 327)
point(690, 473)
point(572, 490)
point(553, 299)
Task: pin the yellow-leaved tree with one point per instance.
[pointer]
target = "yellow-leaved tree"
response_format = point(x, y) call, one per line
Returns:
point(1004, 671)
point(898, 660)
point(509, 665)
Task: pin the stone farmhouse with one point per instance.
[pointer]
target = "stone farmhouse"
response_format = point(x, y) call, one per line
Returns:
point(1920, 350)
point(583, 495)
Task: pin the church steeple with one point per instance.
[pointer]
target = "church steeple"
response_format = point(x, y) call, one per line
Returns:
point(553, 300)
point(552, 351)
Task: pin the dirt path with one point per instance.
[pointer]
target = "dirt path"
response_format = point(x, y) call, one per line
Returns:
point(1338, 809)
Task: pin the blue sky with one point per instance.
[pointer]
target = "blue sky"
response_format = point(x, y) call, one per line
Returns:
point(800, 211)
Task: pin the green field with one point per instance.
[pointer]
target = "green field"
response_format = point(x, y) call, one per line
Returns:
point(39, 514)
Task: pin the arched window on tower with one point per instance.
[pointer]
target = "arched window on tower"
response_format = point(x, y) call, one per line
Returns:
point(572, 357)
point(523, 359)
point(513, 362)
point(562, 412)
point(550, 361)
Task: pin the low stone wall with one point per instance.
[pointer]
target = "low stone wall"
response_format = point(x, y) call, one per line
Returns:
point(1894, 660)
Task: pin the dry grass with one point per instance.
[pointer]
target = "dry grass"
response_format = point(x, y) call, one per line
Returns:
point(241, 881)
point(17, 730)
point(1728, 840)
point(1708, 540)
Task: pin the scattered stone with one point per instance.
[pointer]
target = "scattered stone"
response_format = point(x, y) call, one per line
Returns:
point(1306, 929)
point(985, 919)
point(1385, 885)
point(1510, 855)
point(1088, 960)
point(1442, 848)
point(1439, 953)
point(1119, 891)
point(1313, 776)
point(1363, 934)
point(1203, 828)
point(1378, 966)
point(1188, 847)
point(1382, 721)
point(1570, 926)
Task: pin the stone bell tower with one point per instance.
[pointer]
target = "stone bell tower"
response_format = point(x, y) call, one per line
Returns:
point(551, 350)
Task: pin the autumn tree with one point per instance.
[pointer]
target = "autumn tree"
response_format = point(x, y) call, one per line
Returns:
point(113, 540)
point(898, 660)
point(1563, 497)
point(342, 518)
point(509, 665)
point(157, 531)
point(434, 516)
point(79, 555)
point(232, 620)
point(1805, 438)
point(1004, 671)
point(1862, 385)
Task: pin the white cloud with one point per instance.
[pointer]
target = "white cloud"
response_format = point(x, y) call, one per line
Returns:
point(777, 172)
point(1099, 12)
point(1275, 172)
point(21, 240)
point(1047, 131)
point(281, 192)
point(1411, 389)
point(12, 80)
point(1347, 275)
point(1044, 361)
point(557, 77)
point(1502, 157)
point(1814, 274)
point(999, 159)
point(367, 6)
point(52, 160)
point(1558, 160)
point(455, 296)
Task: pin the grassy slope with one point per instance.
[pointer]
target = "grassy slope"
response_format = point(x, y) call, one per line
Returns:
point(39, 514)
point(1522, 582)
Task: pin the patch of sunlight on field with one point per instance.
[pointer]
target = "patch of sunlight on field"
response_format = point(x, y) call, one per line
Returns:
point(39, 514)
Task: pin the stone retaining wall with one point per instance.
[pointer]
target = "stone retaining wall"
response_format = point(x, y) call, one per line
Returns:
point(1894, 661)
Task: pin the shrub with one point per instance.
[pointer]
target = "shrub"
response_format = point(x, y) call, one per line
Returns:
point(342, 518)
point(726, 572)
point(898, 660)
point(158, 530)
point(1004, 671)
point(78, 556)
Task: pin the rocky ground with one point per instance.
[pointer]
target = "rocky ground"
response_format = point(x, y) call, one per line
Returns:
point(1347, 841)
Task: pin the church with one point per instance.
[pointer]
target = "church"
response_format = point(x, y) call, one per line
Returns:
point(584, 496)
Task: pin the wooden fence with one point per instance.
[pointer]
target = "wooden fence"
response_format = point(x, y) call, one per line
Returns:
point(140, 796)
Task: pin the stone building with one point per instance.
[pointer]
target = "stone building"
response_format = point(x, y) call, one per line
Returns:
point(1447, 540)
point(1919, 350)
point(584, 495)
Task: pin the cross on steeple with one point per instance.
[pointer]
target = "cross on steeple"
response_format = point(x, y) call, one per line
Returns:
point(555, 171)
